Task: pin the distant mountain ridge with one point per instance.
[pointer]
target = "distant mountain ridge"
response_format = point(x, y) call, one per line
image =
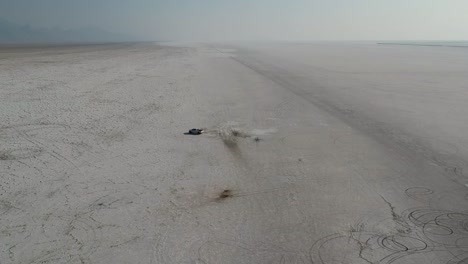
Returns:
point(14, 33)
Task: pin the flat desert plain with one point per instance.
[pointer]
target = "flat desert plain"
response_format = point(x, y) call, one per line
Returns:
point(319, 153)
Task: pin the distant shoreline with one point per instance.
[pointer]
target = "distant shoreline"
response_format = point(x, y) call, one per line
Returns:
point(425, 44)
point(59, 44)
point(10, 47)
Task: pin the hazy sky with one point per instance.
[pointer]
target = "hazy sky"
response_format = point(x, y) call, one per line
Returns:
point(252, 19)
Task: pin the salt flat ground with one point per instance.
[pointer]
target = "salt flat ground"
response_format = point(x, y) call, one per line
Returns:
point(313, 153)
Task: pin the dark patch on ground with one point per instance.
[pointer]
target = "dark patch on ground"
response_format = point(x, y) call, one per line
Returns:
point(6, 155)
point(225, 195)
